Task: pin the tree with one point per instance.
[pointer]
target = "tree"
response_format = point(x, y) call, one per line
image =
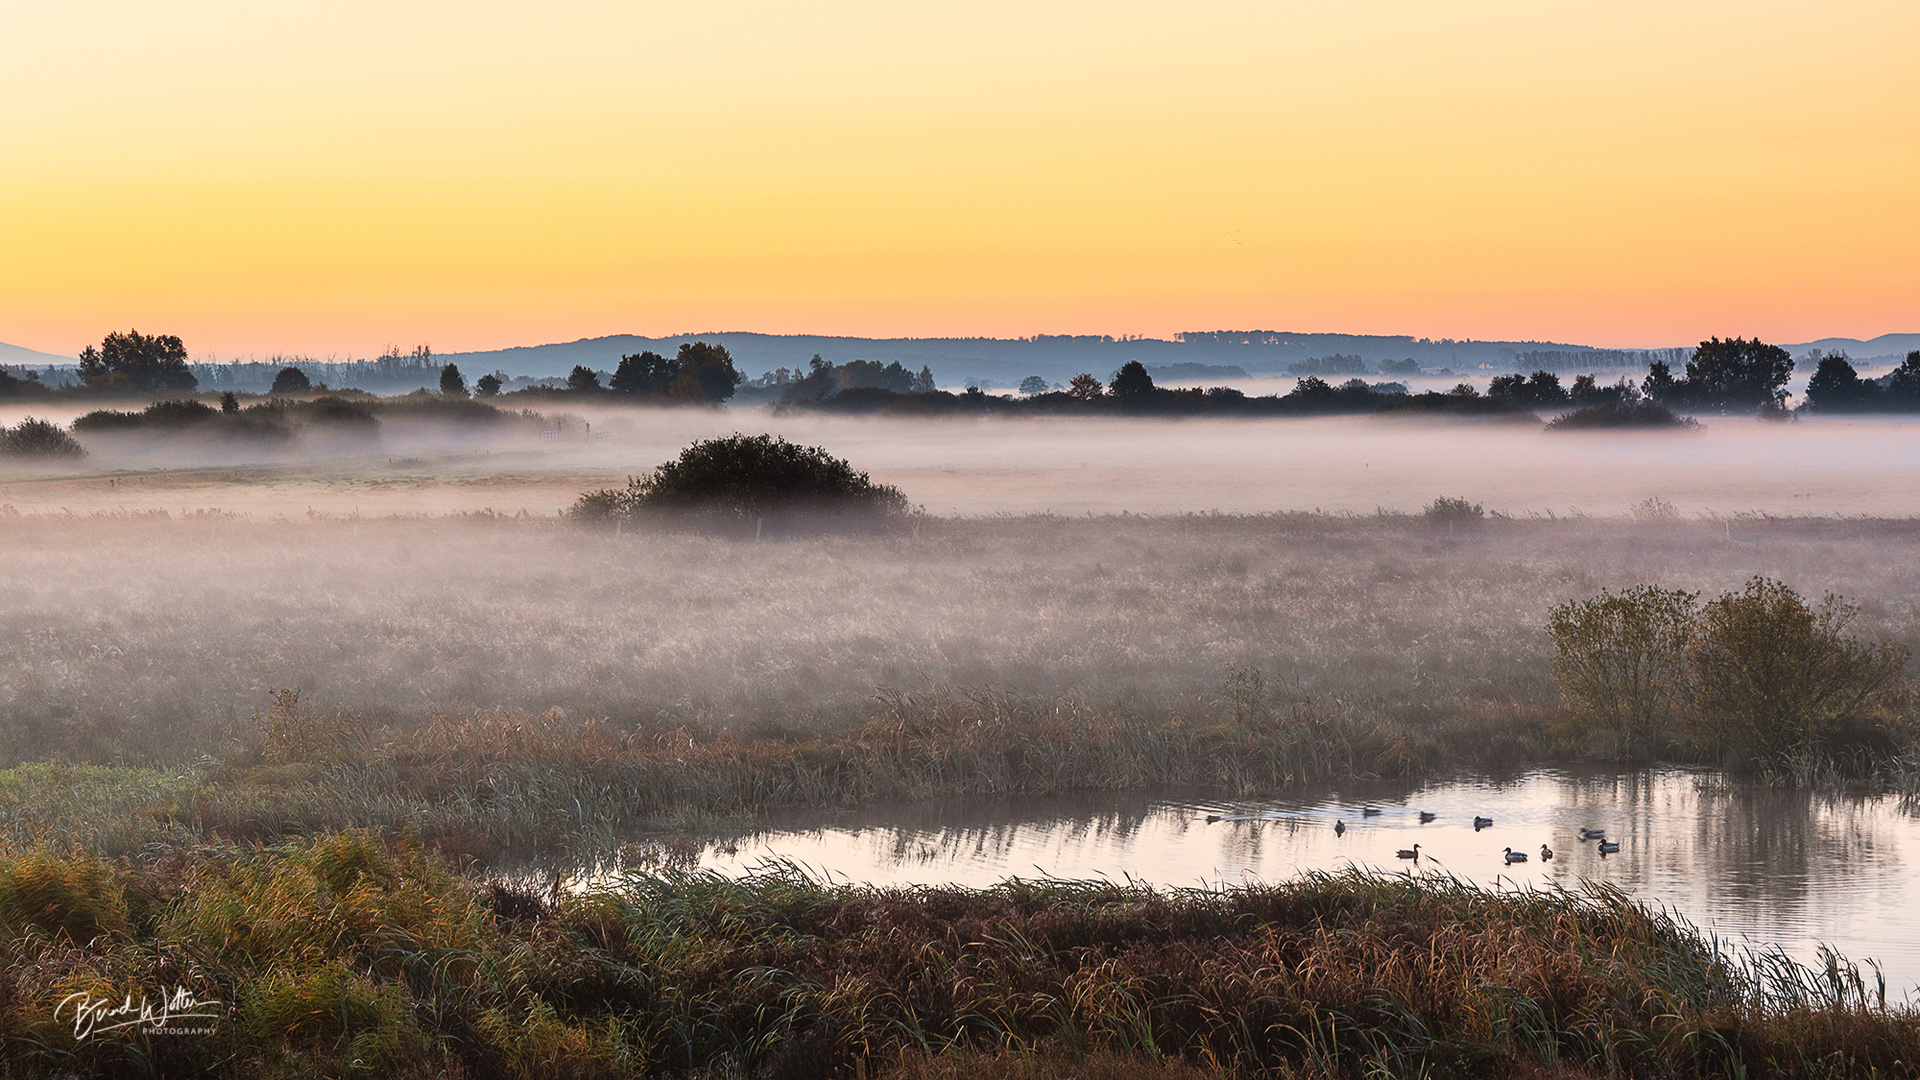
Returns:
point(1542, 388)
point(644, 373)
point(291, 380)
point(1660, 384)
point(1903, 386)
point(1837, 387)
point(1131, 382)
point(452, 383)
point(1085, 387)
point(12, 385)
point(583, 379)
point(230, 404)
point(1737, 374)
point(1313, 392)
point(135, 361)
point(706, 373)
point(1033, 384)
point(487, 385)
point(923, 382)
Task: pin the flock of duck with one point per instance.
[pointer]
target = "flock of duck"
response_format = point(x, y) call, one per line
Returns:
point(1607, 847)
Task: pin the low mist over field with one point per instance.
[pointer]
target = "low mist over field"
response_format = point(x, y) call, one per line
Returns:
point(152, 637)
point(1864, 466)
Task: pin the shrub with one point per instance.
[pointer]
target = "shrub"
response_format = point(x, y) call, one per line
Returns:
point(1778, 681)
point(1768, 683)
point(340, 413)
point(39, 438)
point(1446, 510)
point(745, 480)
point(1622, 414)
point(187, 415)
point(1620, 660)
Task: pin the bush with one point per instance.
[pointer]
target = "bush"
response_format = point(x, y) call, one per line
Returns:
point(748, 481)
point(39, 438)
point(1622, 414)
point(1446, 510)
point(1778, 682)
point(291, 380)
point(1763, 681)
point(174, 417)
point(338, 412)
point(1621, 660)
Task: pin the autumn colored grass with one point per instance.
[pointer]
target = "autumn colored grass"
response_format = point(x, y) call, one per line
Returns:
point(348, 955)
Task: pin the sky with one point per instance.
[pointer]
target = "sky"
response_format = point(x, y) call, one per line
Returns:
point(332, 178)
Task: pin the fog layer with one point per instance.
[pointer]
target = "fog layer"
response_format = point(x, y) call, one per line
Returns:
point(1868, 466)
point(140, 637)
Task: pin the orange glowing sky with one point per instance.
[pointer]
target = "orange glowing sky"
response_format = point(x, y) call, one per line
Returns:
point(335, 177)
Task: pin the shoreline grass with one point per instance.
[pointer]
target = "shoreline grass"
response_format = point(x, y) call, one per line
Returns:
point(347, 955)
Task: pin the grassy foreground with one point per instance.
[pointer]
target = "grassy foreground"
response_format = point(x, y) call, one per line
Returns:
point(348, 954)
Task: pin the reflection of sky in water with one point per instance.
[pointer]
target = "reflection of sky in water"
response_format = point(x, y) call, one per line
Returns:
point(1764, 866)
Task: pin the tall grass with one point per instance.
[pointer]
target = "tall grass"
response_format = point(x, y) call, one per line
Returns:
point(346, 955)
point(154, 640)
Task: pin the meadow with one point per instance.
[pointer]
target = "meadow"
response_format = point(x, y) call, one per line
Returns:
point(649, 678)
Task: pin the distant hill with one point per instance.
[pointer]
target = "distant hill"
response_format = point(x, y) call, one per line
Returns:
point(1884, 347)
point(16, 355)
point(1003, 362)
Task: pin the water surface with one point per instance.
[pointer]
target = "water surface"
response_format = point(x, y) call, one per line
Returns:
point(1756, 866)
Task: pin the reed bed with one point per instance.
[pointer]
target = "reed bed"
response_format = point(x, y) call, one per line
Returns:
point(346, 955)
point(490, 785)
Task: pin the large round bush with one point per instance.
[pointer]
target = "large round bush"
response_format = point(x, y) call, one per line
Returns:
point(751, 481)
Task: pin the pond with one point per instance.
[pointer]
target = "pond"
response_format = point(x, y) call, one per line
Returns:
point(1756, 866)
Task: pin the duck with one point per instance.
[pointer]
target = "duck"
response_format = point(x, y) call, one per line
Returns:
point(1211, 818)
point(1482, 823)
point(1513, 856)
point(1593, 834)
point(1608, 847)
point(1410, 853)
point(1426, 816)
point(1370, 811)
point(1545, 853)
point(1339, 828)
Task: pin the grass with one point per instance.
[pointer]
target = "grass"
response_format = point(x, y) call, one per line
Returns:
point(490, 784)
point(345, 955)
point(505, 684)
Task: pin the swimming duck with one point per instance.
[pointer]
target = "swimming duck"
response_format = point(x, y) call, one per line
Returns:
point(1608, 847)
point(1545, 853)
point(1513, 856)
point(1410, 853)
point(1339, 828)
point(1593, 834)
point(1370, 811)
point(1426, 816)
point(1482, 823)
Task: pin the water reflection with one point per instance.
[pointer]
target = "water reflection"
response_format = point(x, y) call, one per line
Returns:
point(1764, 866)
